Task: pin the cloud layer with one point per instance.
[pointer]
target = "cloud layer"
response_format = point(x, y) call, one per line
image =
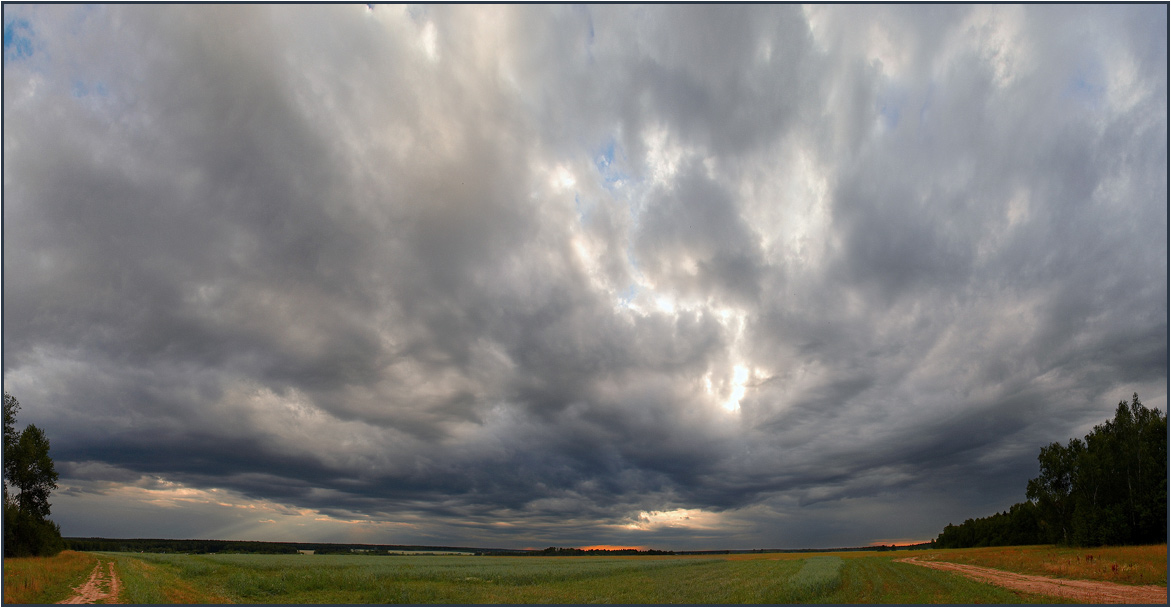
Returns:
point(671, 276)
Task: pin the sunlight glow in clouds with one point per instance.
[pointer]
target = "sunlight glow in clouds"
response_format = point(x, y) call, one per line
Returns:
point(739, 377)
point(676, 518)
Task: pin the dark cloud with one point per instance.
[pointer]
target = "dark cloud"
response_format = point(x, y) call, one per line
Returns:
point(693, 240)
point(684, 277)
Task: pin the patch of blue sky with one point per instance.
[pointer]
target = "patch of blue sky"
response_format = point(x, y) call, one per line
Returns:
point(81, 89)
point(1084, 87)
point(18, 39)
point(626, 296)
point(890, 109)
point(604, 160)
point(609, 158)
point(606, 157)
point(890, 102)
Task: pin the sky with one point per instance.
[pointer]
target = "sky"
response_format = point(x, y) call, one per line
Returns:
point(660, 276)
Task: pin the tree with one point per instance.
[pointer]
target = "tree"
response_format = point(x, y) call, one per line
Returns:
point(1121, 495)
point(1110, 489)
point(29, 470)
point(1051, 490)
point(10, 407)
point(33, 474)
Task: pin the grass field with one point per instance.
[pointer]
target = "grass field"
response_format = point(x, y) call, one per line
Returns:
point(45, 580)
point(831, 578)
point(737, 579)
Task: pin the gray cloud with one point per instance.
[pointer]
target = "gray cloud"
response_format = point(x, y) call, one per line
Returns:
point(683, 277)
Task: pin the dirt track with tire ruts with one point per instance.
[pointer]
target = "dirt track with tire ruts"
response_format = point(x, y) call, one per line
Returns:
point(1081, 591)
point(102, 586)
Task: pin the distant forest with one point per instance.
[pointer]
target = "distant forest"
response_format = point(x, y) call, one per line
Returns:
point(167, 545)
point(1108, 489)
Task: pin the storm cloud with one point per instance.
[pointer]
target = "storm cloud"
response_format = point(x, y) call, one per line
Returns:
point(680, 277)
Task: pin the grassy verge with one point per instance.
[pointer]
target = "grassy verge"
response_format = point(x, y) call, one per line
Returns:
point(45, 580)
point(1143, 565)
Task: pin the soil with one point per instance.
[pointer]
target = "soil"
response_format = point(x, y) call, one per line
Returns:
point(101, 587)
point(1081, 591)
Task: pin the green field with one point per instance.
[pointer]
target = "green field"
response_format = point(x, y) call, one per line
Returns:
point(853, 578)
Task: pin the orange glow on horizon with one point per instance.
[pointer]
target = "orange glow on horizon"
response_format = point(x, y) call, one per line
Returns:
point(596, 547)
point(902, 542)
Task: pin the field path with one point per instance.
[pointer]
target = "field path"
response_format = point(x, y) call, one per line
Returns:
point(1086, 592)
point(98, 587)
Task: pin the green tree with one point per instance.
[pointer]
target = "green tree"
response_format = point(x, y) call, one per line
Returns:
point(29, 470)
point(10, 407)
point(1052, 489)
point(1121, 495)
point(33, 474)
point(1110, 489)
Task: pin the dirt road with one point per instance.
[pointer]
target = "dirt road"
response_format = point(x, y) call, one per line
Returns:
point(101, 587)
point(1085, 592)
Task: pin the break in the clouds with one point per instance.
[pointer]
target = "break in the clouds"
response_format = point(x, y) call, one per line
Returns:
point(665, 276)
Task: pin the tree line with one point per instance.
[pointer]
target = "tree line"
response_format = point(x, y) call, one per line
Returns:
point(29, 471)
point(560, 551)
point(158, 545)
point(168, 545)
point(1107, 489)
